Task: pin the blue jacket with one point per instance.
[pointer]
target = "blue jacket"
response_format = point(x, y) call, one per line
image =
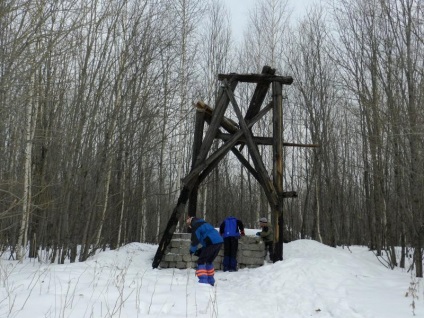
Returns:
point(231, 227)
point(203, 233)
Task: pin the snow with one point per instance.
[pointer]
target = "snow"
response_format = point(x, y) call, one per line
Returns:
point(314, 280)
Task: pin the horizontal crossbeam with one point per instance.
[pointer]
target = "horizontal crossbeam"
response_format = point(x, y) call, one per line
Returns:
point(256, 78)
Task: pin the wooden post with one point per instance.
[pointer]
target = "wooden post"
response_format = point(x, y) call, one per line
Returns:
point(171, 225)
point(277, 149)
point(197, 143)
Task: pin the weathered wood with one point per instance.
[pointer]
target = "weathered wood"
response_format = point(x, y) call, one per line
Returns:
point(256, 78)
point(290, 194)
point(245, 162)
point(291, 144)
point(259, 94)
point(222, 105)
point(216, 159)
point(277, 147)
point(242, 140)
point(171, 226)
point(254, 151)
point(268, 141)
point(224, 148)
point(228, 124)
point(277, 171)
point(197, 143)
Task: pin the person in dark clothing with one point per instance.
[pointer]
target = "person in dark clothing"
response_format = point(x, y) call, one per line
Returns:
point(231, 229)
point(267, 236)
point(204, 234)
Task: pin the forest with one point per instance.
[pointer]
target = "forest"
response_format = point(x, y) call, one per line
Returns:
point(97, 121)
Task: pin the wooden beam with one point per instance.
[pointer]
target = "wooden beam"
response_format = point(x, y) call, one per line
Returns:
point(246, 163)
point(277, 170)
point(290, 144)
point(267, 141)
point(259, 94)
point(290, 194)
point(222, 105)
point(228, 124)
point(171, 226)
point(254, 151)
point(223, 149)
point(218, 158)
point(197, 143)
point(242, 140)
point(256, 78)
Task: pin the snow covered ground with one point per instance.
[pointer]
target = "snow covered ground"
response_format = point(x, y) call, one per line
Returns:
point(314, 280)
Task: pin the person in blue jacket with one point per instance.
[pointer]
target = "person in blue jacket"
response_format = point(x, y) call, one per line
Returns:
point(231, 229)
point(204, 234)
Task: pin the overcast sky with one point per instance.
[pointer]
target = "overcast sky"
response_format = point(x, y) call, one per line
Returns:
point(240, 12)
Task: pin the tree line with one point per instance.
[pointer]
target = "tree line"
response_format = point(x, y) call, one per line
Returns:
point(97, 121)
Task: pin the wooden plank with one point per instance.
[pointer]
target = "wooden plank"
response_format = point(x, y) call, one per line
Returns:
point(197, 143)
point(290, 144)
point(256, 78)
point(198, 135)
point(258, 140)
point(277, 147)
point(290, 194)
point(277, 171)
point(267, 141)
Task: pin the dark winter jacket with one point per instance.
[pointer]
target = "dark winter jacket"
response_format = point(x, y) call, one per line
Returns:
point(231, 227)
point(203, 233)
point(267, 234)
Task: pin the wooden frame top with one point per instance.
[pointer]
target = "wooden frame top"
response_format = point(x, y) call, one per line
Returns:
point(256, 78)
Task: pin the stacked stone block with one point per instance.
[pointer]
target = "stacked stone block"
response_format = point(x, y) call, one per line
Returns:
point(251, 253)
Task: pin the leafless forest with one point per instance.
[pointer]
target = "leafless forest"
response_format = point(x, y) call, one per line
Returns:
point(96, 120)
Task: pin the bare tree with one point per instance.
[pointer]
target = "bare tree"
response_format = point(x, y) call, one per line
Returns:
point(316, 100)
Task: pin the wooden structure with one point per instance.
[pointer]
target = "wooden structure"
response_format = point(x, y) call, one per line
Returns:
point(237, 134)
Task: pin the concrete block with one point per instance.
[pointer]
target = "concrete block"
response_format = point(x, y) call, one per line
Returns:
point(181, 265)
point(251, 253)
